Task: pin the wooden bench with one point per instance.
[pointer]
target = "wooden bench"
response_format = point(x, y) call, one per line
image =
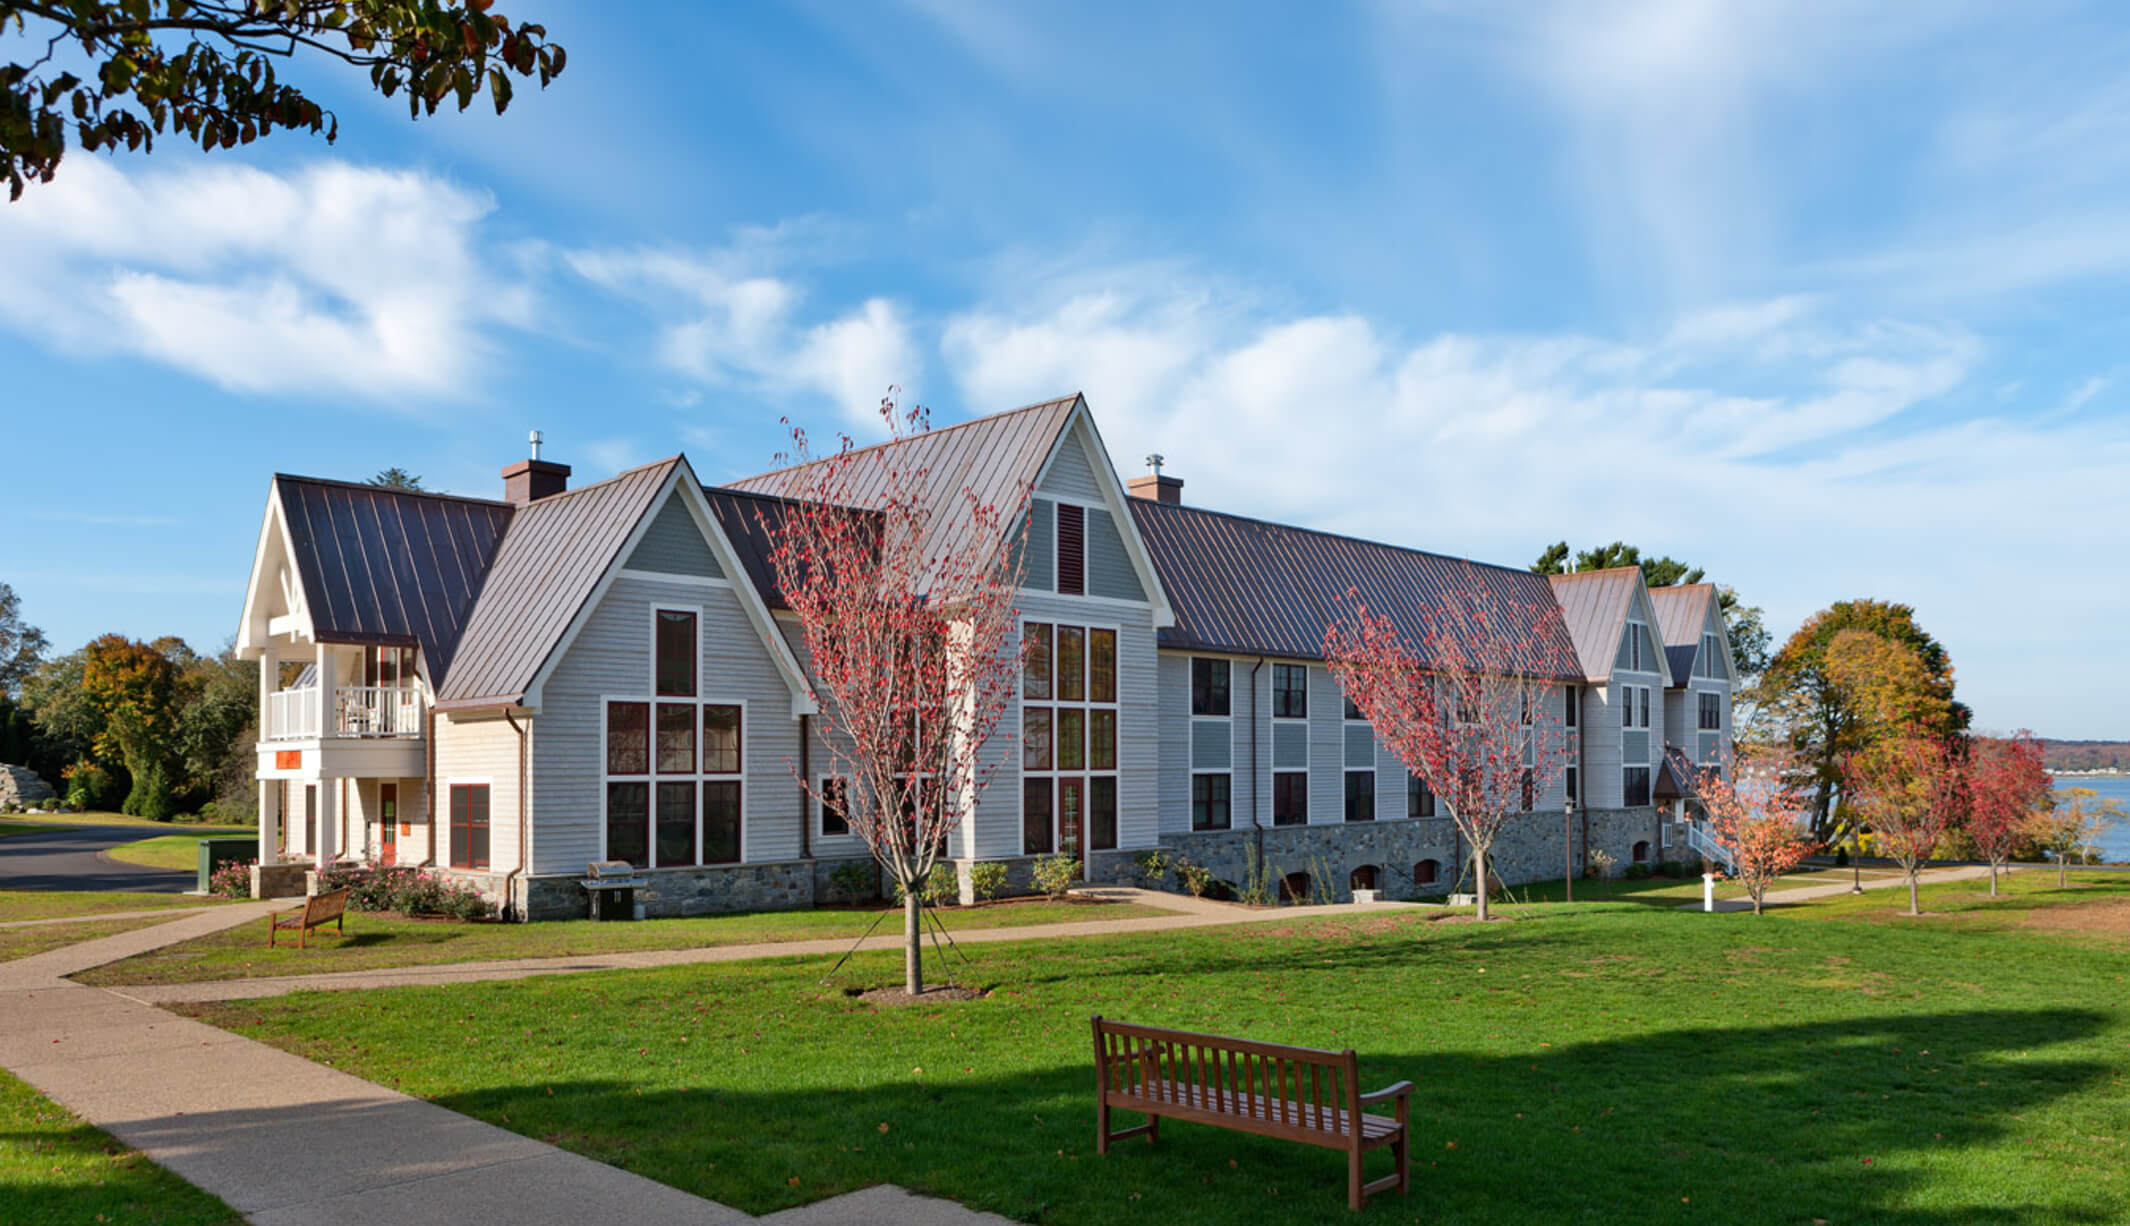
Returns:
point(1294, 1093)
point(317, 911)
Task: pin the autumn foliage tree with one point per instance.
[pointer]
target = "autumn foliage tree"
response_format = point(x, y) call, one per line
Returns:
point(1911, 790)
point(1465, 701)
point(134, 688)
point(111, 73)
point(2007, 785)
point(904, 596)
point(2072, 824)
point(1760, 821)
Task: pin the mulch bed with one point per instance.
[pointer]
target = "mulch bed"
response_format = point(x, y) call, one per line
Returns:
point(930, 996)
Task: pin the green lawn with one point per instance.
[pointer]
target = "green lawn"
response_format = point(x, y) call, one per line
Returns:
point(53, 904)
point(173, 851)
point(375, 941)
point(56, 1170)
point(1597, 1064)
point(101, 818)
point(1673, 891)
point(13, 825)
point(22, 942)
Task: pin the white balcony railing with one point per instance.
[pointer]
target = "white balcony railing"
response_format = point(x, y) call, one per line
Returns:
point(358, 710)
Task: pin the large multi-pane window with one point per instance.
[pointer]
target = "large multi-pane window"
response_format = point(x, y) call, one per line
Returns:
point(1419, 798)
point(1209, 687)
point(674, 761)
point(1361, 796)
point(469, 825)
point(1290, 798)
point(1209, 802)
point(1068, 738)
point(1290, 691)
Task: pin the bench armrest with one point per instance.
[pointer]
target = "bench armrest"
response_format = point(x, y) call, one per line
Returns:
point(1399, 1090)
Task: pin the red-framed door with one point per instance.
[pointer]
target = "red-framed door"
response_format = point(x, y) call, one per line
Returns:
point(388, 814)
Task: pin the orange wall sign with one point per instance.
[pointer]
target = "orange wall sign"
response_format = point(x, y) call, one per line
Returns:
point(288, 759)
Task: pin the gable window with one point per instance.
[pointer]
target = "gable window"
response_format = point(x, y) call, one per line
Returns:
point(673, 773)
point(1290, 798)
point(1711, 713)
point(1570, 710)
point(834, 797)
point(1209, 687)
point(1290, 691)
point(1209, 802)
point(676, 655)
point(1069, 730)
point(1361, 796)
point(1419, 798)
point(469, 825)
point(1642, 707)
point(1072, 549)
point(1634, 786)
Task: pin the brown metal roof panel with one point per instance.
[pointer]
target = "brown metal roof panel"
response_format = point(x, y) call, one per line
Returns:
point(1682, 609)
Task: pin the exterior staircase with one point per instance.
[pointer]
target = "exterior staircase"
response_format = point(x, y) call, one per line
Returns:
point(1706, 846)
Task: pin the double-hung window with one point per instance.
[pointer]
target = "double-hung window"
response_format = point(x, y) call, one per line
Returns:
point(1209, 802)
point(1290, 691)
point(674, 760)
point(1419, 798)
point(1068, 738)
point(1634, 782)
point(1290, 798)
point(1361, 796)
point(1711, 714)
point(469, 825)
point(1209, 686)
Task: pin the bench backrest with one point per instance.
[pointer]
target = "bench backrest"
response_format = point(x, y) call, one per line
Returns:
point(1286, 1091)
point(323, 908)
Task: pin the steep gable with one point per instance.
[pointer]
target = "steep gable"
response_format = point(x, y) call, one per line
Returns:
point(673, 545)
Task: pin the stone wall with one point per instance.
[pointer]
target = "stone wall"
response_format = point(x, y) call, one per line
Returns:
point(21, 787)
point(780, 886)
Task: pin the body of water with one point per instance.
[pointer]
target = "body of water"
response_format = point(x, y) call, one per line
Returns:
point(2115, 841)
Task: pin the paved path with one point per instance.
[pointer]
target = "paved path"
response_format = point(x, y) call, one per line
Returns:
point(1835, 889)
point(1186, 913)
point(150, 913)
point(66, 859)
point(287, 1142)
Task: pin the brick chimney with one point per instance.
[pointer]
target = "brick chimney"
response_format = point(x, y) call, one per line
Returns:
point(1154, 487)
point(534, 479)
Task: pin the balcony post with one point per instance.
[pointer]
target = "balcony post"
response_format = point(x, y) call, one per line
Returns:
point(269, 820)
point(328, 662)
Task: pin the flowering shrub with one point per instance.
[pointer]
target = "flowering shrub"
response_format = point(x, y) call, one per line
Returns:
point(231, 880)
point(409, 891)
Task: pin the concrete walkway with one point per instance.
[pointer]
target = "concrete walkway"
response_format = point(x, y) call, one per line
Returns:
point(1187, 912)
point(287, 1142)
point(1835, 889)
point(150, 913)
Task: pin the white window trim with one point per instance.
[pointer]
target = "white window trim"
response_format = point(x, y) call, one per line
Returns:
point(1190, 681)
point(821, 832)
point(1021, 703)
point(651, 679)
point(1190, 801)
point(659, 576)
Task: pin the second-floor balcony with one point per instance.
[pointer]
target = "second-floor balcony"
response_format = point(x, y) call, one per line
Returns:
point(358, 711)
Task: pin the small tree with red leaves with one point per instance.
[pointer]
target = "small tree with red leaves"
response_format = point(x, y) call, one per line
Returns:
point(1911, 789)
point(1760, 822)
point(904, 596)
point(1466, 701)
point(2007, 784)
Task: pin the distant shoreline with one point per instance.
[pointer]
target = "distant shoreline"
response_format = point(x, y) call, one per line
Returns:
point(2089, 774)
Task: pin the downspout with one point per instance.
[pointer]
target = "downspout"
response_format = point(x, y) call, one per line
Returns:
point(523, 832)
point(429, 786)
point(1257, 828)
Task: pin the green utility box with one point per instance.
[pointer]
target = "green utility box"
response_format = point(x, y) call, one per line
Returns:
point(214, 853)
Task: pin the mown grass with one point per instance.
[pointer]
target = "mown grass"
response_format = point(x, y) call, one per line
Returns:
point(56, 1170)
point(1676, 891)
point(172, 851)
point(1602, 1063)
point(375, 942)
point(53, 904)
point(98, 817)
point(22, 942)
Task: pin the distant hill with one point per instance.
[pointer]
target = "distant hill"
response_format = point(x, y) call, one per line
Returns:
point(2085, 755)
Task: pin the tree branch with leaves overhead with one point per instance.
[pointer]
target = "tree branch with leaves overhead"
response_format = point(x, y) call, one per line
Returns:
point(102, 74)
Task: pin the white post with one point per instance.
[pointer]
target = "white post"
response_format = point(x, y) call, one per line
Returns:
point(1708, 891)
point(328, 662)
point(328, 820)
point(269, 796)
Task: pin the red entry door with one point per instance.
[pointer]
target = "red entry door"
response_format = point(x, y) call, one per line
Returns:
point(388, 813)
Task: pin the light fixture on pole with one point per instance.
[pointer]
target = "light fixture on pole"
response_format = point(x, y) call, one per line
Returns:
point(1568, 847)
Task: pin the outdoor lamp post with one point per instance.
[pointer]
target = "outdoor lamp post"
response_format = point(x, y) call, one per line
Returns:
point(1568, 847)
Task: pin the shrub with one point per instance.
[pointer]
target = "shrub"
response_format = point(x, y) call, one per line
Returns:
point(987, 880)
point(853, 881)
point(1638, 872)
point(1153, 867)
point(231, 880)
point(1196, 879)
point(942, 886)
point(88, 785)
point(409, 891)
point(1600, 865)
point(1055, 874)
point(1259, 888)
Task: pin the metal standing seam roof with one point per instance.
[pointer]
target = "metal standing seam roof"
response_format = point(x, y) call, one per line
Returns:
point(389, 566)
point(997, 458)
point(750, 522)
point(1682, 611)
point(1594, 604)
point(1247, 586)
point(552, 558)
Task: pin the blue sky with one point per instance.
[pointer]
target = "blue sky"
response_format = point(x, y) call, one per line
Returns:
point(1830, 299)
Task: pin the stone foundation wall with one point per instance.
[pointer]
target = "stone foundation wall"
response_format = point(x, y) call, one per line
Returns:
point(780, 886)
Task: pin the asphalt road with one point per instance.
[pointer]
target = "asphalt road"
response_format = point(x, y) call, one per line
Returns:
point(66, 859)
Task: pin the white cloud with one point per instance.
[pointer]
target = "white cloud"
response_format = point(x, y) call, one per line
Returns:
point(1800, 455)
point(331, 278)
point(720, 322)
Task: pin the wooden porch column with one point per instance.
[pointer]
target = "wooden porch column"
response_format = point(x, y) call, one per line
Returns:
point(269, 792)
point(328, 673)
point(328, 820)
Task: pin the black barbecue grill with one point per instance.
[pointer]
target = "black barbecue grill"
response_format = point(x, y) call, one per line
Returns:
point(611, 886)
